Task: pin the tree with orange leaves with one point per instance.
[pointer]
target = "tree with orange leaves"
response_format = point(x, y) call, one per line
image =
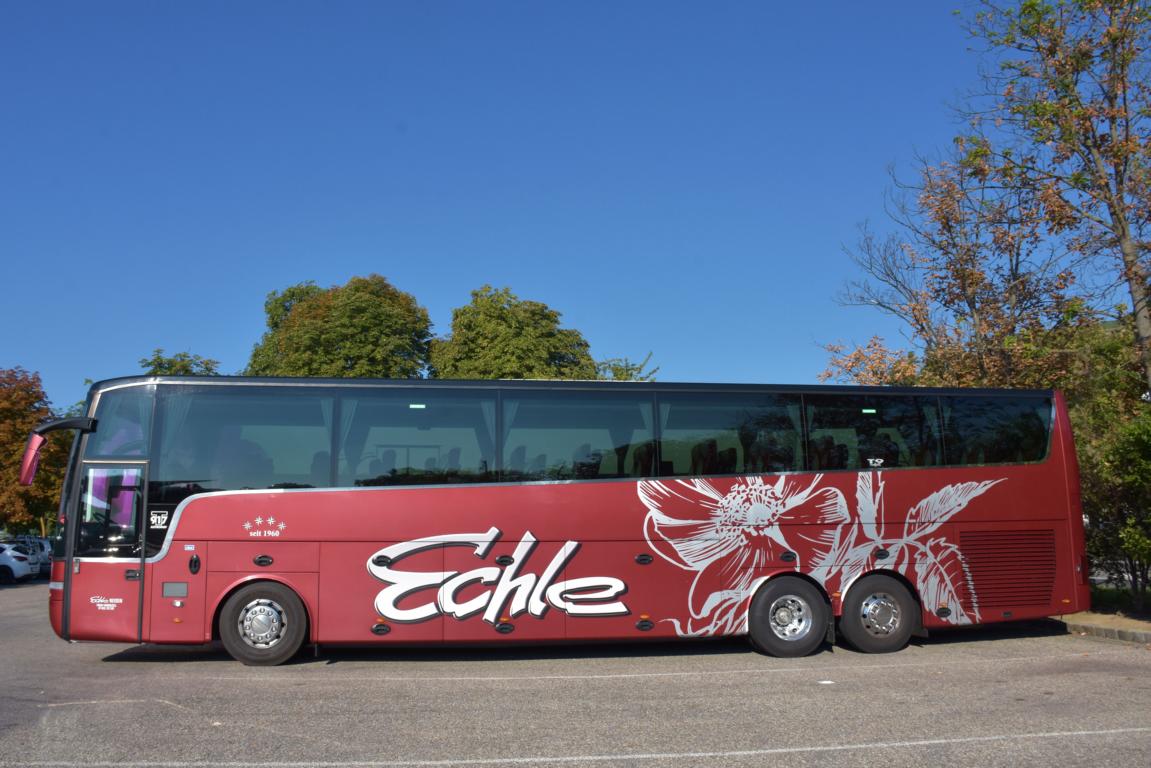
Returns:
point(23, 405)
point(985, 298)
point(1066, 116)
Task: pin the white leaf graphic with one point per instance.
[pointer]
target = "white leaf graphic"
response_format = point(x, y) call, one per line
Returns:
point(935, 510)
point(869, 501)
point(943, 579)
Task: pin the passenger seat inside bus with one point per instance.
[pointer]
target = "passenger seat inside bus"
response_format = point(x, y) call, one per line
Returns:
point(452, 462)
point(829, 448)
point(642, 459)
point(768, 454)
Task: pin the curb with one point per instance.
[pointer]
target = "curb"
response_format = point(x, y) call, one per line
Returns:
point(1110, 633)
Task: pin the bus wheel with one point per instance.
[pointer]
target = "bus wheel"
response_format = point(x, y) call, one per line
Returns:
point(263, 624)
point(788, 618)
point(878, 615)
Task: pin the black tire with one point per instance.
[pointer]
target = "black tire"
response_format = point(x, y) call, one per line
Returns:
point(276, 624)
point(879, 615)
point(788, 618)
point(5, 575)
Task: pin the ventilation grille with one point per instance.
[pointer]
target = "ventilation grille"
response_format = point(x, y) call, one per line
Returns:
point(1010, 568)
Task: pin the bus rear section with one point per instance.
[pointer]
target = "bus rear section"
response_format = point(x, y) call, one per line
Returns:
point(269, 515)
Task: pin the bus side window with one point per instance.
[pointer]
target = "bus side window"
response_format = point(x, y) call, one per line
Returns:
point(995, 430)
point(713, 433)
point(410, 436)
point(226, 439)
point(872, 431)
point(581, 435)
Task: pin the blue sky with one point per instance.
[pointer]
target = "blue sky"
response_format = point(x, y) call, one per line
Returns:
point(677, 178)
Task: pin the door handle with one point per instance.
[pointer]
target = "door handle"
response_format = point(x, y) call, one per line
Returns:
point(132, 574)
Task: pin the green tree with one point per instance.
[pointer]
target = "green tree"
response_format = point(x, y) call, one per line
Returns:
point(23, 406)
point(1067, 116)
point(366, 328)
point(179, 364)
point(623, 369)
point(1106, 417)
point(500, 336)
point(1119, 487)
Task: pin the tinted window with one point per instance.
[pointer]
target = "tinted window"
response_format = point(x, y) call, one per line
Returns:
point(216, 439)
point(123, 423)
point(995, 430)
point(710, 434)
point(872, 431)
point(417, 436)
point(110, 500)
point(577, 435)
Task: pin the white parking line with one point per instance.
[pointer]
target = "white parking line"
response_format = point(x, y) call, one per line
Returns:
point(570, 759)
point(97, 701)
point(102, 702)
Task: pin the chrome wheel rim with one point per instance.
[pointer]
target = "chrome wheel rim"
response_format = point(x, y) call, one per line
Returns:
point(880, 614)
point(262, 623)
point(790, 617)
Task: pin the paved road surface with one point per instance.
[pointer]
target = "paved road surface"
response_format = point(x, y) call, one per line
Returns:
point(1025, 695)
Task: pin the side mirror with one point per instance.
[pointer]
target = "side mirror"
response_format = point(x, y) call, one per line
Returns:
point(31, 460)
point(36, 441)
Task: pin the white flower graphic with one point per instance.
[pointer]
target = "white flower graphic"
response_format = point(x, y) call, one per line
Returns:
point(726, 538)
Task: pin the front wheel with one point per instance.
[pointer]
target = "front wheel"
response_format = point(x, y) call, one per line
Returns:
point(878, 615)
point(263, 624)
point(788, 618)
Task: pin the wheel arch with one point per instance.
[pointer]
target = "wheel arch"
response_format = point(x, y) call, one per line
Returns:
point(245, 581)
point(897, 576)
point(763, 581)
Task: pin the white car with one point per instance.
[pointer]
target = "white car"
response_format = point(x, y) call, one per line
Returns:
point(39, 551)
point(15, 563)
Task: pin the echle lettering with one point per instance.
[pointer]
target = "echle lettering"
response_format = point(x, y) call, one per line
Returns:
point(510, 587)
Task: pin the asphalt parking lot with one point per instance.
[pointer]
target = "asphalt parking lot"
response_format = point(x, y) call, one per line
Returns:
point(1019, 695)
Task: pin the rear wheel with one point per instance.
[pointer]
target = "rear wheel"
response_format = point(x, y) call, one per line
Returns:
point(5, 575)
point(788, 618)
point(263, 624)
point(879, 615)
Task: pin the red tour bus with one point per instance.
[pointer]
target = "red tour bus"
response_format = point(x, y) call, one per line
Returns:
point(269, 513)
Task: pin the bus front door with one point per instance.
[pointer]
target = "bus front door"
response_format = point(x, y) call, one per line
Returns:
point(105, 582)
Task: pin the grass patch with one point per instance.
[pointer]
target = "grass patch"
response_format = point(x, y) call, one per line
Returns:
point(1105, 599)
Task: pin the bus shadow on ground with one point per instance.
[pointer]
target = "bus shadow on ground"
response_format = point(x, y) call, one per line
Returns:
point(336, 654)
point(328, 655)
point(988, 632)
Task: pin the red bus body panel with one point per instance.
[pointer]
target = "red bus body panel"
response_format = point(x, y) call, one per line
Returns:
point(328, 539)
